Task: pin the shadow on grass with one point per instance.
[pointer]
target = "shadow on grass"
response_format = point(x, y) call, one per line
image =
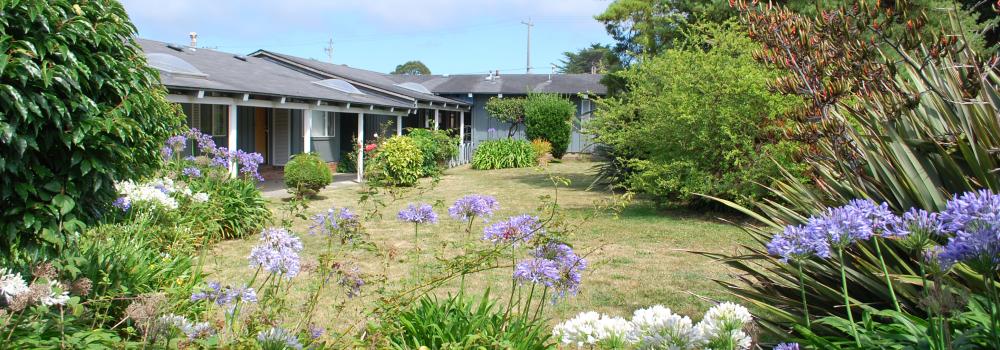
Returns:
point(578, 181)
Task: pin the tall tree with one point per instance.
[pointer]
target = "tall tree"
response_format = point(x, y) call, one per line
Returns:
point(597, 59)
point(412, 68)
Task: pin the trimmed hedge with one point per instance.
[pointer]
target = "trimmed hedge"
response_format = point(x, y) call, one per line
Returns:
point(504, 153)
point(306, 174)
point(550, 117)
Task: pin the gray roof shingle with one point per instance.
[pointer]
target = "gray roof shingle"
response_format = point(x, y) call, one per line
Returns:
point(513, 84)
point(361, 76)
point(255, 76)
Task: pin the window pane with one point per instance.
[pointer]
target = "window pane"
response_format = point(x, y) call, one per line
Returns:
point(318, 124)
point(331, 124)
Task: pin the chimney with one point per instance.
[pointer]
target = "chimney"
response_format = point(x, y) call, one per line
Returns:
point(498, 74)
point(194, 40)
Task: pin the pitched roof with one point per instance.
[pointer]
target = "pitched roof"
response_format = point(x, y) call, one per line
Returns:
point(204, 69)
point(372, 79)
point(513, 84)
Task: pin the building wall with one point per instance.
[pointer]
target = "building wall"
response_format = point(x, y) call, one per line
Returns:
point(482, 121)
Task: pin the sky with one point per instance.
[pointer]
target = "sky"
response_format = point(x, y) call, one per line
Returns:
point(449, 36)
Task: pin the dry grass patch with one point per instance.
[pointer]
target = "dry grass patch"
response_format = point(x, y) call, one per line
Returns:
point(636, 259)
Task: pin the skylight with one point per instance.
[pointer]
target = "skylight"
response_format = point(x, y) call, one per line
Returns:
point(414, 87)
point(339, 85)
point(173, 65)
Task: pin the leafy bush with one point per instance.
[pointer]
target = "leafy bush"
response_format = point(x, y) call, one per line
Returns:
point(242, 209)
point(502, 154)
point(306, 174)
point(437, 147)
point(457, 323)
point(698, 120)
point(915, 156)
point(541, 147)
point(507, 110)
point(396, 162)
point(81, 109)
point(549, 117)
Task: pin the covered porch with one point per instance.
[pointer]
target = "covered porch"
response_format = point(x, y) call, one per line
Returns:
point(279, 127)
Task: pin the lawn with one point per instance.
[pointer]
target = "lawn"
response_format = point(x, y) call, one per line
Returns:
point(636, 258)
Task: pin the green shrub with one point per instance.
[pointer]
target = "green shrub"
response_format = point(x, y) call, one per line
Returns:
point(505, 153)
point(122, 261)
point(241, 208)
point(697, 121)
point(507, 110)
point(541, 147)
point(437, 147)
point(550, 117)
point(306, 174)
point(80, 110)
point(457, 323)
point(397, 162)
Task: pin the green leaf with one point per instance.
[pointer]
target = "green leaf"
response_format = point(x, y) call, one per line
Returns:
point(64, 202)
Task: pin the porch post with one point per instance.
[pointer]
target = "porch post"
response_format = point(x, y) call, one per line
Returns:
point(461, 135)
point(399, 125)
point(307, 126)
point(437, 118)
point(361, 146)
point(232, 137)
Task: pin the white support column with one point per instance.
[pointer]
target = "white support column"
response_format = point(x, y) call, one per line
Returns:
point(232, 137)
point(437, 118)
point(399, 125)
point(461, 135)
point(361, 147)
point(307, 126)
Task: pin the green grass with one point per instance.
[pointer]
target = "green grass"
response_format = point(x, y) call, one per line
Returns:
point(636, 259)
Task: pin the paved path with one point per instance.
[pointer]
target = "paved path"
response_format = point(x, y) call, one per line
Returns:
point(276, 188)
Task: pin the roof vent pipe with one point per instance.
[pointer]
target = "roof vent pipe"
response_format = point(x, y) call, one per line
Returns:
point(194, 40)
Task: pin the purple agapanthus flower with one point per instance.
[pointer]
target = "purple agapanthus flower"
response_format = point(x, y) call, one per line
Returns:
point(418, 213)
point(204, 141)
point(350, 279)
point(472, 206)
point(969, 209)
point(278, 252)
point(917, 220)
point(333, 221)
point(537, 270)
point(798, 242)
point(841, 226)
point(225, 296)
point(787, 346)
point(191, 172)
point(315, 331)
point(978, 246)
point(248, 163)
point(177, 142)
point(569, 265)
point(122, 203)
point(166, 152)
point(878, 216)
point(514, 230)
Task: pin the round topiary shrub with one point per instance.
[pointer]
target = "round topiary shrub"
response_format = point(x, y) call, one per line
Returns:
point(397, 162)
point(306, 174)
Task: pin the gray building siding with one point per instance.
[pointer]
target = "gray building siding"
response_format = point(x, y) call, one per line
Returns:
point(482, 121)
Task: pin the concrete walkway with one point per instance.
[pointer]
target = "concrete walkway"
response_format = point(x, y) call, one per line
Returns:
point(275, 188)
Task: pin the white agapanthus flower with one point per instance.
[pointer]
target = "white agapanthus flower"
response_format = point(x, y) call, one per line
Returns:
point(156, 192)
point(57, 295)
point(200, 197)
point(11, 284)
point(723, 326)
point(590, 328)
point(657, 327)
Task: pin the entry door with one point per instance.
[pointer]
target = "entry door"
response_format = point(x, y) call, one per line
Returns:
point(260, 131)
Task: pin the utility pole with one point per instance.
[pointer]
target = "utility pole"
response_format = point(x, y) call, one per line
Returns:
point(329, 50)
point(530, 24)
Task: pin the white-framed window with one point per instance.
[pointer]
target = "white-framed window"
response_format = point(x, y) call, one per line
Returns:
point(324, 124)
point(220, 120)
